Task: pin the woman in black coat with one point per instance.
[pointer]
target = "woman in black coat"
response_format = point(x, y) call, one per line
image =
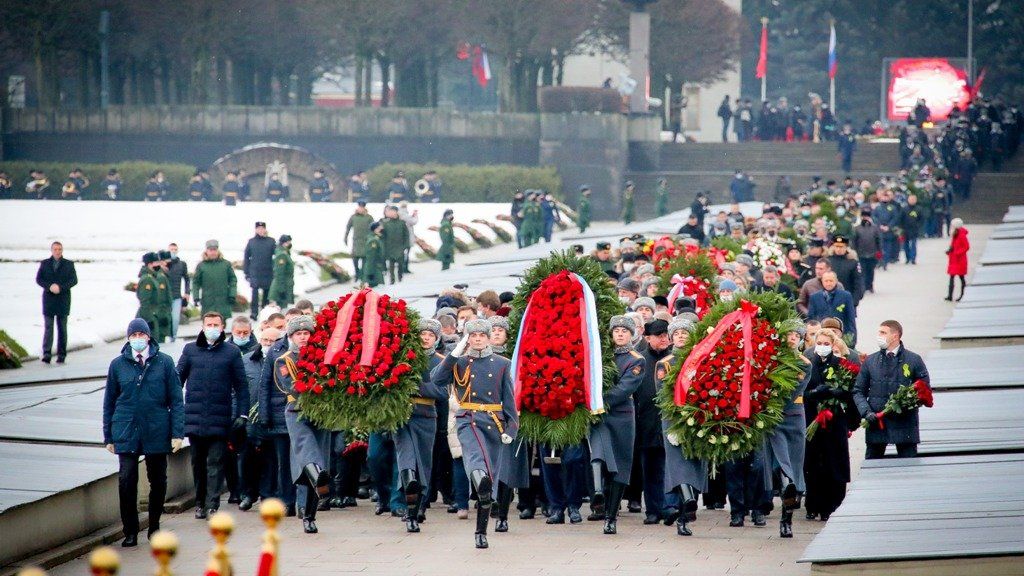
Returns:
point(827, 464)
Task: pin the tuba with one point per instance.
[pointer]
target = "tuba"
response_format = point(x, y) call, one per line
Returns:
point(422, 187)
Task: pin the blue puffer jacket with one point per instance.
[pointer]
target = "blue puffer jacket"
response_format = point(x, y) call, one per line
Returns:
point(272, 399)
point(142, 405)
point(210, 374)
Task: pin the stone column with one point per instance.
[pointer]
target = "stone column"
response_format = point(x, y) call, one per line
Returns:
point(639, 57)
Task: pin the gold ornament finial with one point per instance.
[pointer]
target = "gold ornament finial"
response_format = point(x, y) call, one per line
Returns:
point(163, 546)
point(221, 527)
point(272, 511)
point(104, 561)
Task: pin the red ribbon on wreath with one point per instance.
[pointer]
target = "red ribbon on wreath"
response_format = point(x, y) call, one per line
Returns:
point(745, 316)
point(371, 329)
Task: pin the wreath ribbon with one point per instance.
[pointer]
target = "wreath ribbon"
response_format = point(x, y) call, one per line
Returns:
point(745, 316)
point(371, 328)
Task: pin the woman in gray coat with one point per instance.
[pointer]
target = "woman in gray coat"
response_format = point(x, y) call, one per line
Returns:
point(611, 439)
point(486, 417)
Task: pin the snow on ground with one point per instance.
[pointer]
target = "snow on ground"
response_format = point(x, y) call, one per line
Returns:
point(107, 239)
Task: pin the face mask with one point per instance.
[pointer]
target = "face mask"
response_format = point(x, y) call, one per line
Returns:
point(265, 349)
point(725, 297)
point(239, 341)
point(211, 334)
point(805, 213)
point(624, 300)
point(840, 211)
point(138, 344)
point(823, 350)
point(883, 343)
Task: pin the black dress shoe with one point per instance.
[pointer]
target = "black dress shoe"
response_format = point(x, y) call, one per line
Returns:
point(289, 511)
point(682, 529)
point(61, 360)
point(671, 515)
point(234, 499)
point(736, 520)
point(381, 509)
point(153, 529)
point(634, 507)
point(481, 540)
point(825, 517)
point(245, 504)
point(757, 518)
point(411, 525)
point(528, 514)
point(810, 515)
point(501, 525)
point(45, 359)
point(574, 515)
point(200, 513)
point(557, 517)
point(786, 525)
point(610, 526)
point(324, 505)
point(130, 541)
point(452, 509)
point(595, 515)
point(348, 502)
point(309, 526)
point(398, 513)
point(652, 519)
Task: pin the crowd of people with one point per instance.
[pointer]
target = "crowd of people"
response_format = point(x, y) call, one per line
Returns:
point(779, 122)
point(240, 415)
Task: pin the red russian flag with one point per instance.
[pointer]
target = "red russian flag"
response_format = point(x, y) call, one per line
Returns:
point(481, 67)
point(762, 61)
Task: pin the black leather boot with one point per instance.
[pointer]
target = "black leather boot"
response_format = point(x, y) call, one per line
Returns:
point(790, 497)
point(317, 478)
point(786, 524)
point(309, 512)
point(504, 501)
point(597, 501)
point(681, 528)
point(482, 482)
point(611, 513)
point(557, 517)
point(411, 487)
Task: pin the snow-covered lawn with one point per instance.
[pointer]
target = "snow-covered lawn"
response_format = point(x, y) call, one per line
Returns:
point(107, 240)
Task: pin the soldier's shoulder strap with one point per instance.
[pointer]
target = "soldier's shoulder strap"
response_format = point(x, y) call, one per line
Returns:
point(636, 354)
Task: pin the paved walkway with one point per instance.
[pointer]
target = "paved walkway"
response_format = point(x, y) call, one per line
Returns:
point(354, 540)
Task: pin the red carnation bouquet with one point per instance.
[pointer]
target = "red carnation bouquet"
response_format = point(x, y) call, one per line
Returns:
point(361, 365)
point(551, 373)
point(691, 274)
point(661, 252)
point(840, 379)
point(906, 398)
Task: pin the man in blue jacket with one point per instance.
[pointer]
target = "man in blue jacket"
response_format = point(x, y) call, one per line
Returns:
point(143, 415)
point(834, 302)
point(211, 370)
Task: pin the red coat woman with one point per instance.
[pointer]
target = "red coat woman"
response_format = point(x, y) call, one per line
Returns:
point(957, 257)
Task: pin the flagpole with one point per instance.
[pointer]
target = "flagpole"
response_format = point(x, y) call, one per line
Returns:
point(832, 77)
point(764, 78)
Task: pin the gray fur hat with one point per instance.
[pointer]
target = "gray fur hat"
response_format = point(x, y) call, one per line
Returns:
point(446, 311)
point(693, 318)
point(431, 325)
point(645, 269)
point(680, 324)
point(301, 322)
point(629, 284)
point(477, 325)
point(644, 301)
point(622, 322)
point(499, 322)
point(646, 283)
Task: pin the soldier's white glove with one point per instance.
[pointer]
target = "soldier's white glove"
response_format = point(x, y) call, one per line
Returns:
point(461, 346)
point(672, 438)
point(110, 448)
point(506, 439)
point(176, 444)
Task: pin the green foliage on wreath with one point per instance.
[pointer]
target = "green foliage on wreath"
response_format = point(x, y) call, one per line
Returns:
point(573, 428)
point(729, 244)
point(741, 437)
point(380, 409)
point(697, 264)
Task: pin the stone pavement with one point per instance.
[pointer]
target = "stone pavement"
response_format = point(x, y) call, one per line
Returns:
point(354, 540)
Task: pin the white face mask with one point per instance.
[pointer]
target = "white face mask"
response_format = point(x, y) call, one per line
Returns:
point(823, 350)
point(883, 342)
point(265, 349)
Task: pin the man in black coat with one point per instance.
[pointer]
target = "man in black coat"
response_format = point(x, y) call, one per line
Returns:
point(258, 267)
point(771, 281)
point(847, 268)
point(693, 229)
point(881, 375)
point(56, 276)
point(216, 403)
point(177, 273)
point(150, 424)
point(649, 456)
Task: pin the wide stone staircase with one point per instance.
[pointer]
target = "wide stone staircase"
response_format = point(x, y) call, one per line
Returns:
point(690, 168)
